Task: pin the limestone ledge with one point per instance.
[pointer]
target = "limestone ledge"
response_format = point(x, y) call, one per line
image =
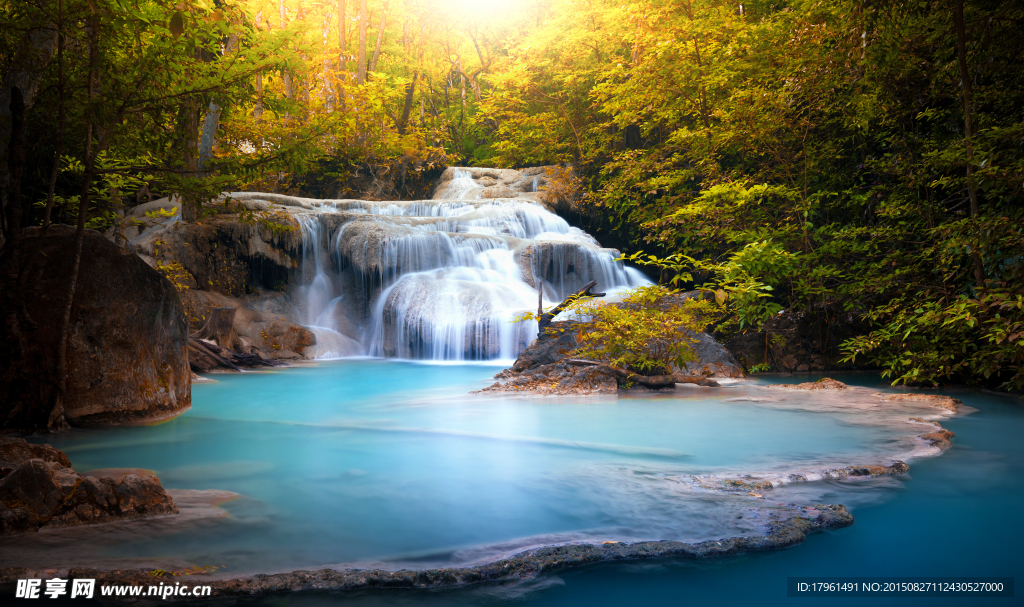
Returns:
point(939, 438)
point(525, 565)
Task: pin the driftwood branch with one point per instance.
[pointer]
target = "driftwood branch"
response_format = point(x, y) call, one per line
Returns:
point(204, 349)
point(204, 356)
point(546, 319)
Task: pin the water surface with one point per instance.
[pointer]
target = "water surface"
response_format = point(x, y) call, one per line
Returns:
point(393, 464)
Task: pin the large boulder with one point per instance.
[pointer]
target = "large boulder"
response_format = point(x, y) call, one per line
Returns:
point(551, 346)
point(544, 367)
point(38, 487)
point(559, 341)
point(126, 348)
point(14, 452)
point(222, 253)
point(257, 331)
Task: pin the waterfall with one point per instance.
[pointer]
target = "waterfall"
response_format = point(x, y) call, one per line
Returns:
point(459, 187)
point(442, 279)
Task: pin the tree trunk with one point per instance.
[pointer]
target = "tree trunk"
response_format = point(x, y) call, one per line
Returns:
point(15, 164)
point(966, 89)
point(35, 51)
point(380, 38)
point(198, 347)
point(651, 381)
point(410, 90)
point(61, 125)
point(546, 319)
point(342, 39)
point(212, 121)
point(219, 327)
point(287, 77)
point(204, 356)
point(210, 124)
point(89, 158)
point(361, 67)
point(257, 110)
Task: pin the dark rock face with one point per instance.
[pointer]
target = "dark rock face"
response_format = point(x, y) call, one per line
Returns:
point(224, 254)
point(550, 347)
point(38, 487)
point(713, 360)
point(797, 342)
point(127, 357)
point(256, 331)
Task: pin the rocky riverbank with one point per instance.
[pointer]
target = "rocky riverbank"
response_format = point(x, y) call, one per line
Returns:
point(38, 488)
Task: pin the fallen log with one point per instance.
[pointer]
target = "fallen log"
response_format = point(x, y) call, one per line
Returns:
point(205, 356)
point(546, 319)
point(200, 361)
point(205, 348)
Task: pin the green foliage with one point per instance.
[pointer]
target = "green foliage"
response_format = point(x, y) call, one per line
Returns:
point(735, 283)
point(649, 333)
point(934, 342)
point(803, 156)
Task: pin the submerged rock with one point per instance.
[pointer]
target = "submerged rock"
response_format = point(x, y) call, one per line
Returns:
point(932, 400)
point(38, 487)
point(751, 484)
point(825, 383)
point(939, 439)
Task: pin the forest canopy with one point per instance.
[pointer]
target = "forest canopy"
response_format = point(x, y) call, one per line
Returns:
point(859, 161)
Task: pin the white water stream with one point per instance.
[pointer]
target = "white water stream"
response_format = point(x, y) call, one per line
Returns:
point(441, 279)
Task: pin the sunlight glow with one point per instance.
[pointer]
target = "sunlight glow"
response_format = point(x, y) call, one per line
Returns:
point(482, 10)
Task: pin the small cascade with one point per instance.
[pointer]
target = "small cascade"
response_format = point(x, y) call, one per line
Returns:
point(459, 187)
point(442, 279)
point(321, 293)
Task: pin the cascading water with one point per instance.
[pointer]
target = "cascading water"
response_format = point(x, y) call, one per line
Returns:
point(441, 279)
point(458, 187)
